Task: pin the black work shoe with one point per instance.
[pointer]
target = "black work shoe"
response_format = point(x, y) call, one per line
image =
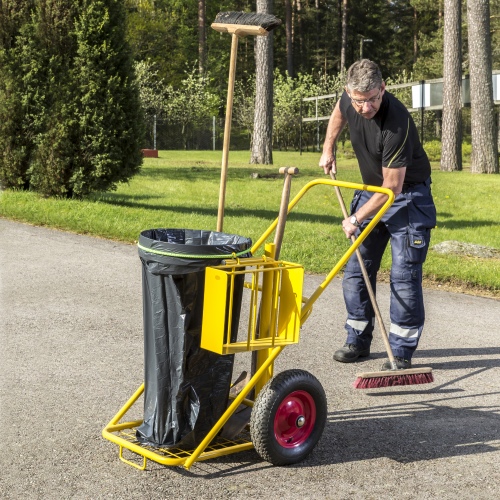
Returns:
point(401, 364)
point(350, 353)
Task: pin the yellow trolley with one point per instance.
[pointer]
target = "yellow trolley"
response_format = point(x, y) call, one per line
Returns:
point(289, 410)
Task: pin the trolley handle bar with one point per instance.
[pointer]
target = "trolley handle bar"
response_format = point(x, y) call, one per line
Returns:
point(306, 309)
point(330, 182)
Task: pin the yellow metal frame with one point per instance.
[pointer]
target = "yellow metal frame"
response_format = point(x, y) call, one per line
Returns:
point(278, 326)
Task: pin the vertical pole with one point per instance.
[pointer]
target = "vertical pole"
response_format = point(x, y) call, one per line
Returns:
point(154, 133)
point(213, 133)
point(317, 125)
point(422, 95)
point(300, 129)
point(498, 128)
point(337, 141)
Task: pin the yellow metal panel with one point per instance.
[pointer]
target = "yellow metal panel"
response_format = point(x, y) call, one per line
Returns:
point(273, 318)
point(290, 304)
point(214, 309)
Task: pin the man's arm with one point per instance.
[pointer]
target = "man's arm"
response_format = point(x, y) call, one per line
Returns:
point(335, 126)
point(393, 180)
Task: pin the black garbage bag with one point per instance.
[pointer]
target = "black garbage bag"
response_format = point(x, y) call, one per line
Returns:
point(186, 387)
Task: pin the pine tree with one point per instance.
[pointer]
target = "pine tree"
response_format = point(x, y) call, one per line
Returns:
point(49, 96)
point(263, 122)
point(70, 118)
point(108, 108)
point(15, 142)
point(451, 155)
point(484, 158)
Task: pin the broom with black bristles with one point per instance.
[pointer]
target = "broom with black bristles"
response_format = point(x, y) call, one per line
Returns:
point(394, 376)
point(238, 24)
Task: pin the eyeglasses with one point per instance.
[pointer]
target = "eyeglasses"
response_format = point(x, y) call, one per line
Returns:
point(360, 102)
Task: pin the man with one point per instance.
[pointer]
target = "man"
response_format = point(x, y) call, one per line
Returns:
point(389, 153)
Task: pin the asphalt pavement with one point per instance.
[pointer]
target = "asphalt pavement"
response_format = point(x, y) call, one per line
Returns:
point(72, 354)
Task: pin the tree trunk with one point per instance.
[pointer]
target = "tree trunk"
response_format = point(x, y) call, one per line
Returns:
point(415, 35)
point(300, 29)
point(339, 34)
point(317, 58)
point(289, 39)
point(263, 121)
point(344, 36)
point(201, 36)
point(484, 158)
point(451, 154)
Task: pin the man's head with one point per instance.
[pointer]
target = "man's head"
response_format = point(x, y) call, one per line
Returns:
point(365, 87)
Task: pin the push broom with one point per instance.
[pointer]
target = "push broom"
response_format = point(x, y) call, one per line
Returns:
point(394, 376)
point(238, 24)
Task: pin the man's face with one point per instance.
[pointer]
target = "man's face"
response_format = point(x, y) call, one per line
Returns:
point(368, 103)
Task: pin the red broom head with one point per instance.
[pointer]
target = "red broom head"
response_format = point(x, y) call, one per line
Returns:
point(392, 380)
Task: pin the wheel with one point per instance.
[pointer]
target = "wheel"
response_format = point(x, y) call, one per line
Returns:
point(288, 417)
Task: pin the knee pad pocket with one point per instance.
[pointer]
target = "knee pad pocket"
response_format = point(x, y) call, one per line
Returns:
point(417, 245)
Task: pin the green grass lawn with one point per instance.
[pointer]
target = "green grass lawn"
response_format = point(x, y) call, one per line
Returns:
point(181, 189)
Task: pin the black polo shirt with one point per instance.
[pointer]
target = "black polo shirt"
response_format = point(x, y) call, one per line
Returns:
point(389, 139)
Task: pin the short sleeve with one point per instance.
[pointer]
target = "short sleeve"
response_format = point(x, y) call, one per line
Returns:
point(345, 102)
point(397, 144)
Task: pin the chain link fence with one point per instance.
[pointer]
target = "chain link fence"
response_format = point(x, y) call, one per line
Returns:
point(306, 131)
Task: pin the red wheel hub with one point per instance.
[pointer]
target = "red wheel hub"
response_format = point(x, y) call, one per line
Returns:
point(295, 418)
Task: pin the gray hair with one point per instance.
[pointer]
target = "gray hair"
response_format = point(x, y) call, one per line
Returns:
point(363, 76)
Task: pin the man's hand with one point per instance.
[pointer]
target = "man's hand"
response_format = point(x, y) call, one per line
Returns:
point(328, 163)
point(393, 180)
point(348, 228)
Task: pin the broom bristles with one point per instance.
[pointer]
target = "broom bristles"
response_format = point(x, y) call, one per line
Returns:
point(393, 379)
point(266, 21)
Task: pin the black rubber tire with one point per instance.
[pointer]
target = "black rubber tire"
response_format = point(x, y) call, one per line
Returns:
point(270, 404)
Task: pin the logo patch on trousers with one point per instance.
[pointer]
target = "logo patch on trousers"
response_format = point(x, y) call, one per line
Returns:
point(418, 242)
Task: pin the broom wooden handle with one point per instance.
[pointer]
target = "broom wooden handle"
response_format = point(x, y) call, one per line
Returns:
point(282, 215)
point(278, 240)
point(367, 280)
point(227, 131)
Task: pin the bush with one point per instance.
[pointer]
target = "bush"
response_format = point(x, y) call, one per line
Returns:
point(466, 151)
point(433, 150)
point(70, 117)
